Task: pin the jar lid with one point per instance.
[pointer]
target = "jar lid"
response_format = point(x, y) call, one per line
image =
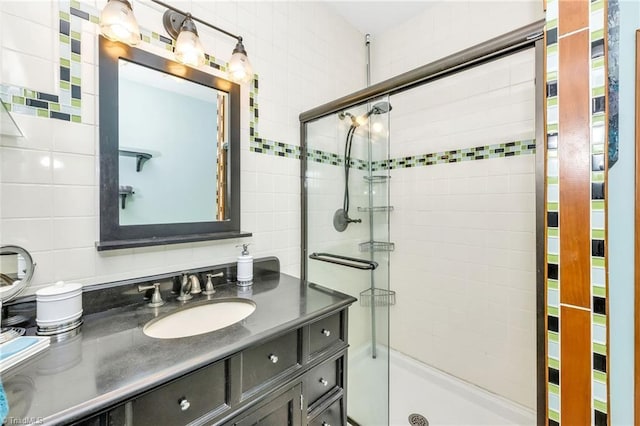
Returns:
point(59, 288)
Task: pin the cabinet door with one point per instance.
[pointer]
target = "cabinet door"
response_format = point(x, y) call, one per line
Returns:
point(281, 410)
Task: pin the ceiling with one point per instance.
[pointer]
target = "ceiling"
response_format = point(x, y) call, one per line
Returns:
point(375, 17)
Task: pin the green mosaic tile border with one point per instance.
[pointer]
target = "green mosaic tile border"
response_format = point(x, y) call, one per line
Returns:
point(67, 105)
point(553, 211)
point(598, 87)
point(500, 150)
point(280, 149)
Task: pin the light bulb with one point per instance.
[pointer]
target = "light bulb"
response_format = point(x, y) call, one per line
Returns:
point(118, 23)
point(377, 127)
point(240, 69)
point(189, 49)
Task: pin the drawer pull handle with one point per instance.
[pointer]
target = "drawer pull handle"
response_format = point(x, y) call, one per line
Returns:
point(326, 333)
point(323, 381)
point(184, 404)
point(273, 358)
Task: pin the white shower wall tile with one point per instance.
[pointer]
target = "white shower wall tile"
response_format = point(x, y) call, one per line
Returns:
point(25, 201)
point(71, 169)
point(37, 133)
point(465, 232)
point(73, 138)
point(33, 234)
point(74, 232)
point(435, 33)
point(25, 70)
point(25, 166)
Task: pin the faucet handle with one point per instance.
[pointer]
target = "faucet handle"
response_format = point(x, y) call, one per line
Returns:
point(156, 298)
point(209, 287)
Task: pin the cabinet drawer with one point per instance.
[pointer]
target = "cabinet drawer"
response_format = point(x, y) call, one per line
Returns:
point(269, 359)
point(331, 416)
point(183, 400)
point(322, 379)
point(324, 333)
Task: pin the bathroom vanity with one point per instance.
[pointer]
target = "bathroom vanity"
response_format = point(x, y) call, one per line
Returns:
point(284, 364)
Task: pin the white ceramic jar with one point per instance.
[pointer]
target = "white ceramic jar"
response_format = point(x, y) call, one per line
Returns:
point(58, 304)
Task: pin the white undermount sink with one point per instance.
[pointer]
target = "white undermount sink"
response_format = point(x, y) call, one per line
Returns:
point(199, 319)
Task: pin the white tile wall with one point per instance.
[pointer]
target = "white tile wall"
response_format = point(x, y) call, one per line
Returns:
point(49, 179)
point(464, 264)
point(446, 27)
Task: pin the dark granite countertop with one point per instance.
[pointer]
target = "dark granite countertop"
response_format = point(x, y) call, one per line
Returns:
point(112, 360)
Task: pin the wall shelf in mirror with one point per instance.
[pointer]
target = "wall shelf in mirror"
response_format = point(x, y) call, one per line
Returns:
point(125, 191)
point(141, 157)
point(8, 126)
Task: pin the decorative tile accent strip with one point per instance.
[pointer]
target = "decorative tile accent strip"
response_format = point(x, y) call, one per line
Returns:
point(264, 146)
point(613, 42)
point(281, 149)
point(508, 149)
point(599, 85)
point(552, 275)
point(67, 105)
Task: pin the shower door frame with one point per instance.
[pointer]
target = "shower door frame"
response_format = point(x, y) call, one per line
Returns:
point(527, 37)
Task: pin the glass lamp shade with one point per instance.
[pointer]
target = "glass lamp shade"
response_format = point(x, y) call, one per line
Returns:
point(117, 22)
point(189, 49)
point(240, 69)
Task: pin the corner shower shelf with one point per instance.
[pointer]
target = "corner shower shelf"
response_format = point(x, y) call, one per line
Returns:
point(377, 297)
point(376, 209)
point(377, 178)
point(141, 157)
point(370, 246)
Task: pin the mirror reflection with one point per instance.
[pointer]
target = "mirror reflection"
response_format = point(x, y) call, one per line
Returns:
point(172, 148)
point(16, 270)
point(169, 151)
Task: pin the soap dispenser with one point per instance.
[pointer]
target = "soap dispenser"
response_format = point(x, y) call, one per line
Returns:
point(245, 267)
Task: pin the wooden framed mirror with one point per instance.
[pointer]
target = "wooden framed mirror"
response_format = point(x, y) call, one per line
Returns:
point(169, 151)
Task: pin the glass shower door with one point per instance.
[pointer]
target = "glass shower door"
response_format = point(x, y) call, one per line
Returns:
point(347, 187)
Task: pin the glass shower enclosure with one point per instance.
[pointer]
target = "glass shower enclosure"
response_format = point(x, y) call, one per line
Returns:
point(346, 242)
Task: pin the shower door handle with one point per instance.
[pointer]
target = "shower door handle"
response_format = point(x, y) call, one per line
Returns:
point(351, 262)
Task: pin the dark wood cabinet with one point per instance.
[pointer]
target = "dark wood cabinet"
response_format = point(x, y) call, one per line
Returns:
point(333, 415)
point(281, 409)
point(297, 378)
point(184, 400)
point(264, 362)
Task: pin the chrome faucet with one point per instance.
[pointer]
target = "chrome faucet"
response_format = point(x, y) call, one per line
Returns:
point(195, 284)
point(185, 288)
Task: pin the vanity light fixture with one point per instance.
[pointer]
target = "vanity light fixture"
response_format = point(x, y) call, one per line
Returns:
point(188, 49)
point(118, 23)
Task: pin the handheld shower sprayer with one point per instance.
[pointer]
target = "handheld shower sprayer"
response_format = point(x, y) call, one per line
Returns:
point(341, 217)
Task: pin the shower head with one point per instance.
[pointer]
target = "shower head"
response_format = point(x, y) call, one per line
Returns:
point(380, 108)
point(377, 109)
point(344, 114)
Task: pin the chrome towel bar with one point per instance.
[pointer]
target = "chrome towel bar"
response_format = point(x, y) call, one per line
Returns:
point(350, 262)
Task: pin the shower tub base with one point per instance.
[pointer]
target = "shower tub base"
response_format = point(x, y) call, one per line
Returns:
point(441, 398)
